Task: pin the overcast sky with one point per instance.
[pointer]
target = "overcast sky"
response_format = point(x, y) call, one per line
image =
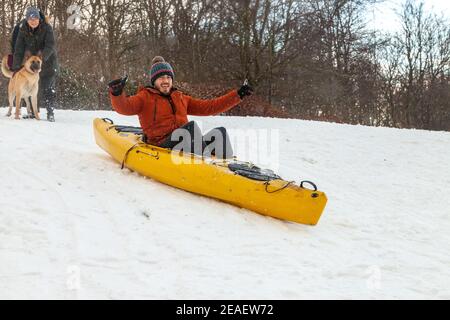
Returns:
point(383, 16)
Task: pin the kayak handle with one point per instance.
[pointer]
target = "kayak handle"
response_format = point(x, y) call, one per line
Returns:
point(108, 120)
point(310, 183)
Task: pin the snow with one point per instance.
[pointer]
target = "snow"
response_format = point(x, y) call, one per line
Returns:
point(74, 226)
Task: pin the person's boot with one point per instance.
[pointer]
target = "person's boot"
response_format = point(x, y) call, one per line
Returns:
point(50, 116)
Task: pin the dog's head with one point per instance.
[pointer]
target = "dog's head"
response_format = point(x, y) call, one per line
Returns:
point(33, 63)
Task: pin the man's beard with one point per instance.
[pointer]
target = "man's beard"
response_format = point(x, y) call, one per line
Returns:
point(165, 90)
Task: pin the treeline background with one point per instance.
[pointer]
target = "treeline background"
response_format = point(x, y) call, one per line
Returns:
point(309, 59)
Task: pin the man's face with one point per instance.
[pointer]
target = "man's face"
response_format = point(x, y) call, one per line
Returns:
point(33, 22)
point(164, 84)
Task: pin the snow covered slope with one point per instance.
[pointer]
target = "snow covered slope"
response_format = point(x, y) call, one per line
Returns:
point(73, 225)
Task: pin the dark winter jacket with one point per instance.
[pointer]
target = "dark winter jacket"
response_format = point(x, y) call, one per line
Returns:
point(38, 40)
point(159, 115)
point(15, 32)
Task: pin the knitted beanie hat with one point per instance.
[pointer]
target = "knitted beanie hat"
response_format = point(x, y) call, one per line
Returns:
point(160, 68)
point(32, 13)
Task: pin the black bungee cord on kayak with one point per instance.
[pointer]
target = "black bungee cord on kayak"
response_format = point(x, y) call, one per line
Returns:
point(128, 129)
point(314, 195)
point(128, 152)
point(267, 184)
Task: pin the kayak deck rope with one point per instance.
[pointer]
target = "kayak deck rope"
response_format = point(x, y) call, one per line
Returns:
point(149, 154)
point(267, 183)
point(128, 152)
point(128, 129)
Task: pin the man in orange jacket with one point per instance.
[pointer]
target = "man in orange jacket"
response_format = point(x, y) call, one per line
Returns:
point(163, 110)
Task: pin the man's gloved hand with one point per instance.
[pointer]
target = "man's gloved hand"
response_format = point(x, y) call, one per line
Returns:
point(116, 86)
point(245, 90)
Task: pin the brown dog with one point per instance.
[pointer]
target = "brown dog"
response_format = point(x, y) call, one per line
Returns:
point(23, 84)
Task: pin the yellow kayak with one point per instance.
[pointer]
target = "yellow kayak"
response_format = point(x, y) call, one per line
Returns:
point(236, 182)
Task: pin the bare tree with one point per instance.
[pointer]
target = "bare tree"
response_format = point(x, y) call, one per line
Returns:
point(424, 56)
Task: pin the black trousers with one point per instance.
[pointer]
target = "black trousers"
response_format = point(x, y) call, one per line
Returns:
point(189, 138)
point(47, 92)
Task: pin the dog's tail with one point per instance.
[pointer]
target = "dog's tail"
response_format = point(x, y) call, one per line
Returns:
point(5, 69)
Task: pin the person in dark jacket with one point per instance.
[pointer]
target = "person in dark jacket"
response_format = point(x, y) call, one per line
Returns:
point(35, 35)
point(163, 111)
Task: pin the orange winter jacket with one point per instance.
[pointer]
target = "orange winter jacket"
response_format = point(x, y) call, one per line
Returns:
point(159, 115)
